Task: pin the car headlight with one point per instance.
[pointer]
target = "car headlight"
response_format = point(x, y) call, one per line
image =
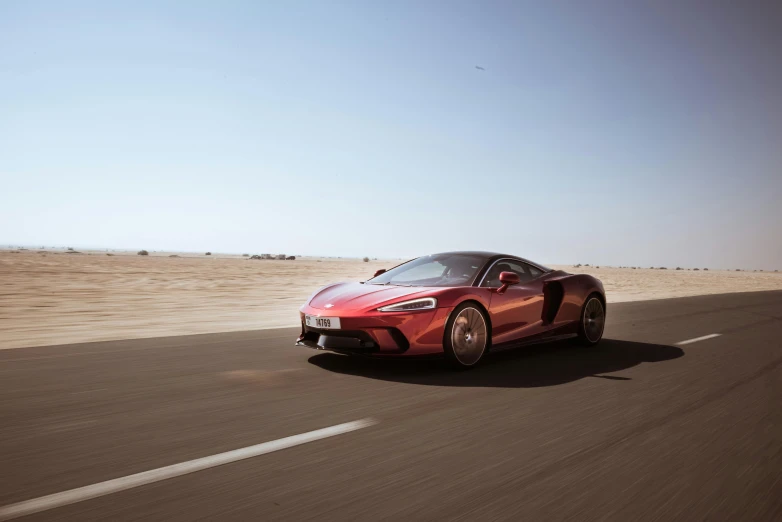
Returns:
point(423, 303)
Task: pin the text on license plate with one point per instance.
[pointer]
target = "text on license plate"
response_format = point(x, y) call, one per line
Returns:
point(331, 323)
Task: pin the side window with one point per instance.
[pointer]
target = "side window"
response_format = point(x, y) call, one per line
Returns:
point(492, 279)
point(533, 272)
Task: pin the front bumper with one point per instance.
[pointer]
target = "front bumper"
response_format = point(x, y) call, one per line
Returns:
point(378, 333)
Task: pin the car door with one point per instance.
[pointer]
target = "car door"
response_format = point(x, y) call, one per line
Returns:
point(515, 313)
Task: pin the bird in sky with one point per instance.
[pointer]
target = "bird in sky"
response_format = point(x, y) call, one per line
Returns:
point(479, 68)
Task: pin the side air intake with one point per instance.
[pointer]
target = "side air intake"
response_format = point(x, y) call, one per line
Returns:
point(552, 300)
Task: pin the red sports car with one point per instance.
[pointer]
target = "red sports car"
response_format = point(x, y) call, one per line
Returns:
point(460, 304)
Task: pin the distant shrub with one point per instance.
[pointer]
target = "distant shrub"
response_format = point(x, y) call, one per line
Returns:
point(70, 248)
point(705, 268)
point(143, 253)
point(632, 267)
point(290, 258)
point(245, 255)
point(366, 260)
point(110, 255)
point(662, 268)
point(173, 255)
point(678, 268)
point(208, 254)
point(697, 269)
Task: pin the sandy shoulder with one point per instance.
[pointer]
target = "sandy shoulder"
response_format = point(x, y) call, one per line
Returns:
point(57, 298)
point(627, 284)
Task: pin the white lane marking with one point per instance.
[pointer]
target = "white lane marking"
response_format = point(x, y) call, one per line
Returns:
point(689, 341)
point(72, 496)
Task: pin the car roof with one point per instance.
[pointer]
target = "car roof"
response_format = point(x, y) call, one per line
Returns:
point(478, 253)
point(492, 256)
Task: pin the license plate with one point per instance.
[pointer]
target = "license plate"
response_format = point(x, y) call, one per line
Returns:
point(326, 323)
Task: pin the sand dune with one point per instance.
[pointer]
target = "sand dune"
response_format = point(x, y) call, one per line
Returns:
point(54, 298)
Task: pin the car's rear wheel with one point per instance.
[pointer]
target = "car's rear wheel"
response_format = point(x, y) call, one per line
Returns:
point(593, 318)
point(466, 336)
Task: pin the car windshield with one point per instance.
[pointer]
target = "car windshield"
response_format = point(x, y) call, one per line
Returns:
point(434, 270)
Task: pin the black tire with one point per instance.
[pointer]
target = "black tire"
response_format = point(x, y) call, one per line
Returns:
point(467, 336)
point(591, 323)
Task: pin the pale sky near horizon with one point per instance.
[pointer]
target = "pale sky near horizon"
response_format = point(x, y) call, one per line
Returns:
point(598, 132)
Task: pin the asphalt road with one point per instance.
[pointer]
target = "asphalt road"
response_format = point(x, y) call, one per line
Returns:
point(637, 428)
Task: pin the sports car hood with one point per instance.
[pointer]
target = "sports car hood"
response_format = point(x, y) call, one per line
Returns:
point(357, 296)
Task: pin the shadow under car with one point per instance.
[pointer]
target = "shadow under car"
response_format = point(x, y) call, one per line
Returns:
point(545, 364)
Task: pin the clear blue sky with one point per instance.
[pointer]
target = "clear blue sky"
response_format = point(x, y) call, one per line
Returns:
point(597, 133)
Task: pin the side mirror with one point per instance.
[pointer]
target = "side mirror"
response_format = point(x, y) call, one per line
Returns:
point(507, 279)
point(381, 271)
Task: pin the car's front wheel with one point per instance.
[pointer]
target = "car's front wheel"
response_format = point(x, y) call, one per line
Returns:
point(466, 336)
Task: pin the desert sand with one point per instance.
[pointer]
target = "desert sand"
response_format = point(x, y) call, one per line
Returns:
point(52, 297)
